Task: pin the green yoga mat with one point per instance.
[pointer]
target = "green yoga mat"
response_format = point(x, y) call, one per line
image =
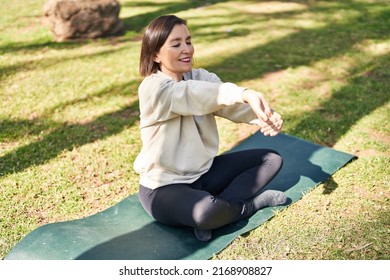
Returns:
point(125, 231)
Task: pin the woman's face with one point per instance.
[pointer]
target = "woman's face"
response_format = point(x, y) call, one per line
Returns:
point(175, 56)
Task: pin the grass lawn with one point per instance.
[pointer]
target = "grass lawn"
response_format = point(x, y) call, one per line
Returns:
point(69, 119)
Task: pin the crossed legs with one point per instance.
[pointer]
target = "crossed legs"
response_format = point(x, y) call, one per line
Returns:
point(228, 192)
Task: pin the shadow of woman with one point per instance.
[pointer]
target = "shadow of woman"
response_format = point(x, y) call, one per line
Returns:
point(153, 241)
point(122, 232)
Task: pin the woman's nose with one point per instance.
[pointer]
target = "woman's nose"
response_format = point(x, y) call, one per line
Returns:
point(187, 48)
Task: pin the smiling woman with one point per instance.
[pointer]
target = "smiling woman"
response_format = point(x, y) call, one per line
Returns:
point(167, 46)
point(175, 56)
point(182, 180)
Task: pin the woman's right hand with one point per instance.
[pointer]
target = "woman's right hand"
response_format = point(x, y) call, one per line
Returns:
point(258, 104)
point(270, 121)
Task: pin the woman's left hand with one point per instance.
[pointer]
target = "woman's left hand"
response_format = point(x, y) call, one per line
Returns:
point(273, 125)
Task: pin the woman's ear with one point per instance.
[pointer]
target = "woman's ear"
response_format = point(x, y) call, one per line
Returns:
point(157, 59)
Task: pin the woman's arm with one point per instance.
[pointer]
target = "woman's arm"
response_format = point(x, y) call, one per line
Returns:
point(162, 99)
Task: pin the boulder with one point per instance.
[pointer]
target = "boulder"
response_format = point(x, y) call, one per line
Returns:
point(83, 19)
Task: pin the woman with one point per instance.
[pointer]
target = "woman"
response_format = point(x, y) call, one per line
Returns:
point(183, 182)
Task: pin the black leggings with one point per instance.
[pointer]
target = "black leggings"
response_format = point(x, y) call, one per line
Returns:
point(219, 197)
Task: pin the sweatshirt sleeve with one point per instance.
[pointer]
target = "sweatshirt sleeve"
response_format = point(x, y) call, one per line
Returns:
point(239, 113)
point(163, 98)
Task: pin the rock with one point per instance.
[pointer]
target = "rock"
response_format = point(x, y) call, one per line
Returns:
point(83, 19)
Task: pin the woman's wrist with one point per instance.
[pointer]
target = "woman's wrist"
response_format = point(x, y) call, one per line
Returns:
point(248, 93)
point(245, 94)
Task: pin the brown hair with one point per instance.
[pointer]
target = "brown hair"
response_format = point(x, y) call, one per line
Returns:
point(155, 35)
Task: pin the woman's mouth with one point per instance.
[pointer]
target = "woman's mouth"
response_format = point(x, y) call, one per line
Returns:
point(185, 59)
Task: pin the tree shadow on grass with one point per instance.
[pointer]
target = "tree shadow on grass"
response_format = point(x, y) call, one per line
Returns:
point(303, 47)
point(26, 65)
point(67, 137)
point(334, 117)
point(14, 47)
point(364, 92)
point(11, 130)
point(140, 21)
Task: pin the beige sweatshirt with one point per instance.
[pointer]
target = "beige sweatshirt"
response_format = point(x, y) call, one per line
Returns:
point(178, 128)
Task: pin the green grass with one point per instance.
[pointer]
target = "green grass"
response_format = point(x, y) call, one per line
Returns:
point(69, 115)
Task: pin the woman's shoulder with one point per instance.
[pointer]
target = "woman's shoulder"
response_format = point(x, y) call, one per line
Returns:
point(154, 80)
point(158, 76)
point(201, 75)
